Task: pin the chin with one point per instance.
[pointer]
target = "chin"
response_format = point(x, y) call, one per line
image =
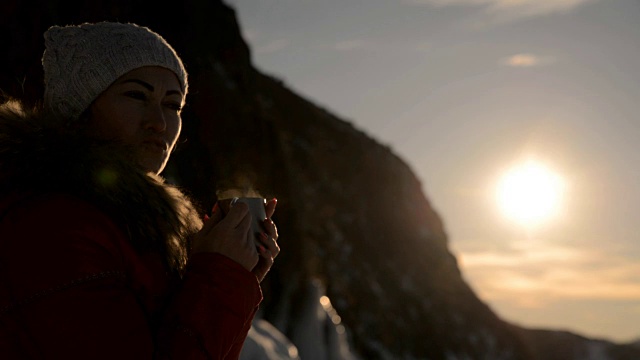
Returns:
point(152, 166)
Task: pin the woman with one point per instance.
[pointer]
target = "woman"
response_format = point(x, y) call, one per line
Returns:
point(99, 259)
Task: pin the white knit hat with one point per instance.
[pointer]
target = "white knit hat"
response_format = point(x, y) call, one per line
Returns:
point(80, 62)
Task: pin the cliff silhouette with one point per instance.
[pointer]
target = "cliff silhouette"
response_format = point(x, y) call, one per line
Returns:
point(358, 235)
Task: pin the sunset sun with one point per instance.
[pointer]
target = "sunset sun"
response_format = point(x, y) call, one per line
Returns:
point(530, 193)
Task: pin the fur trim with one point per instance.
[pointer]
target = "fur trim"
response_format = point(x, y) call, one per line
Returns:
point(40, 158)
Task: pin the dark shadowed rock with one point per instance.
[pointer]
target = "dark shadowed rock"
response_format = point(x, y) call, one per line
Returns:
point(351, 213)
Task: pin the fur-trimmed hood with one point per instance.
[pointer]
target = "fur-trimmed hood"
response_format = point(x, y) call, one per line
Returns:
point(36, 158)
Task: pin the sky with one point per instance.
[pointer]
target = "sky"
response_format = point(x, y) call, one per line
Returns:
point(464, 90)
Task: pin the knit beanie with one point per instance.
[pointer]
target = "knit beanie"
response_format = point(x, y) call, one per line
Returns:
point(80, 62)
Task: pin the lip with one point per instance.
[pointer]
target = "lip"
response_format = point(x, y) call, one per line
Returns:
point(156, 144)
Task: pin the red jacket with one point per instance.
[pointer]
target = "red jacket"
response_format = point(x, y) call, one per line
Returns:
point(73, 287)
point(91, 249)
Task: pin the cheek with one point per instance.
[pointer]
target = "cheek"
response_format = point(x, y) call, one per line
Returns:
point(174, 127)
point(112, 124)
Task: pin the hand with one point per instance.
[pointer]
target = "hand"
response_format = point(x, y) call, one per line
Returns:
point(270, 250)
point(229, 236)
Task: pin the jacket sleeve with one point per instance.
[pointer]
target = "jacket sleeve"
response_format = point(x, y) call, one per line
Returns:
point(64, 269)
point(235, 305)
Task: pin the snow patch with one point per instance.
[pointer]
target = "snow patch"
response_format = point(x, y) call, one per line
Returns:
point(265, 342)
point(318, 333)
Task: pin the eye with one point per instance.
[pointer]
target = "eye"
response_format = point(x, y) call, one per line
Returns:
point(138, 95)
point(176, 106)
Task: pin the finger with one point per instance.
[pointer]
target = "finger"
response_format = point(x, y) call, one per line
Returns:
point(210, 222)
point(236, 214)
point(245, 224)
point(271, 228)
point(270, 207)
point(271, 245)
point(264, 265)
point(265, 254)
point(216, 214)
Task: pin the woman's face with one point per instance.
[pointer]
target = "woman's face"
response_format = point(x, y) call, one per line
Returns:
point(141, 109)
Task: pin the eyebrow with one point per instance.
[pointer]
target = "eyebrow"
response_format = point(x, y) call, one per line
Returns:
point(150, 87)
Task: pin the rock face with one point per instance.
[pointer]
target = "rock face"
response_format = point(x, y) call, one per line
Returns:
point(352, 215)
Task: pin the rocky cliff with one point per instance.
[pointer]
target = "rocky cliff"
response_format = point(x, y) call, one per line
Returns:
point(358, 235)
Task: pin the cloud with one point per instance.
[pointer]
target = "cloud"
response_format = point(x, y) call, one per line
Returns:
point(526, 60)
point(423, 47)
point(271, 46)
point(527, 8)
point(259, 45)
point(442, 3)
point(537, 274)
point(347, 45)
point(509, 10)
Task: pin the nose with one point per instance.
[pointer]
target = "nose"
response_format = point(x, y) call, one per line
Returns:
point(155, 119)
